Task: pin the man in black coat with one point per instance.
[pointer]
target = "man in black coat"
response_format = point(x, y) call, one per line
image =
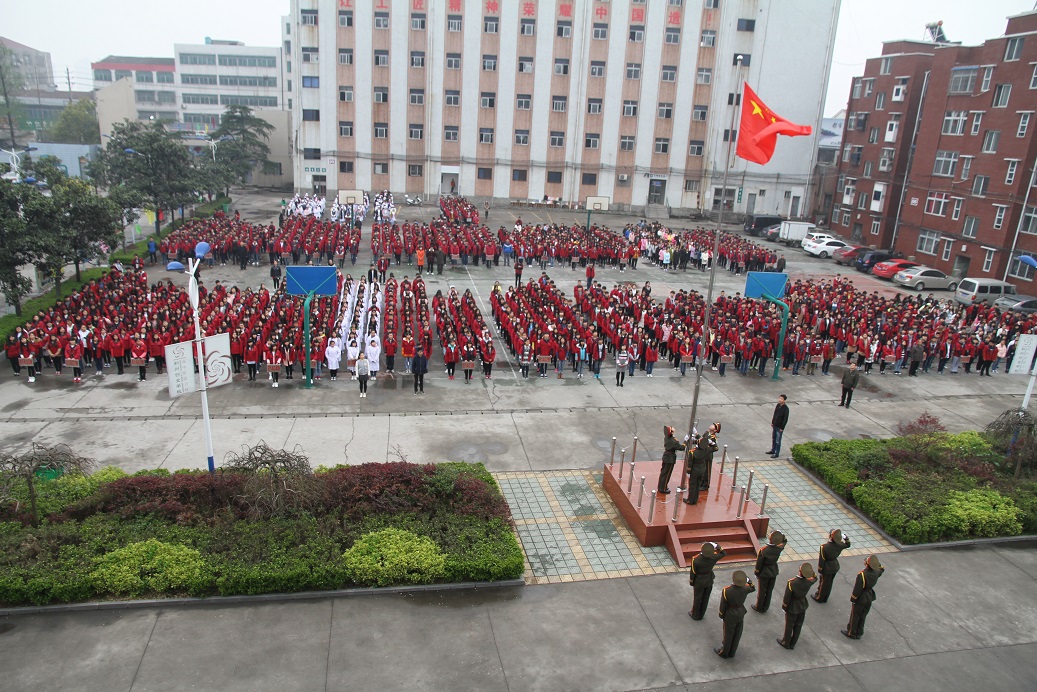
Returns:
point(851, 378)
point(794, 603)
point(732, 612)
point(767, 570)
point(779, 419)
point(863, 596)
point(418, 367)
point(701, 578)
point(828, 563)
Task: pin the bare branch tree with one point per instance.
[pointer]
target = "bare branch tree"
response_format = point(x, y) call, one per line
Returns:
point(39, 461)
point(277, 481)
point(1015, 432)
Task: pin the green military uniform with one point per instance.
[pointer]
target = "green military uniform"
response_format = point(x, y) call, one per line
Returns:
point(794, 603)
point(701, 578)
point(828, 564)
point(863, 596)
point(767, 570)
point(732, 612)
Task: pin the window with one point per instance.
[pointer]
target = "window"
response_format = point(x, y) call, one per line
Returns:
point(453, 61)
point(711, 4)
point(928, 241)
point(522, 137)
point(589, 179)
point(525, 65)
point(345, 56)
point(490, 25)
point(886, 66)
point(990, 140)
point(197, 59)
point(381, 168)
point(247, 61)
point(665, 111)
point(417, 97)
point(453, 23)
point(733, 137)
point(309, 18)
point(876, 226)
point(892, 126)
point(747, 25)
point(381, 94)
point(104, 75)
point(381, 58)
point(695, 147)
point(878, 197)
point(528, 27)
point(484, 173)
point(561, 66)
point(120, 74)
point(999, 216)
point(149, 96)
point(417, 58)
point(662, 145)
point(630, 109)
point(633, 70)
point(626, 143)
point(708, 39)
point(417, 22)
point(988, 259)
point(381, 20)
point(557, 139)
point(1013, 48)
point(489, 63)
point(198, 79)
point(704, 75)
point(601, 32)
point(415, 170)
point(966, 167)
point(593, 106)
point(886, 160)
point(310, 55)
point(954, 122)
point(230, 80)
point(980, 185)
point(519, 175)
point(311, 154)
point(745, 57)
point(936, 203)
point(673, 36)
point(558, 103)
point(1002, 92)
point(1029, 220)
point(485, 135)
point(164, 77)
point(899, 89)
point(880, 101)
point(856, 88)
point(948, 244)
point(308, 83)
point(381, 130)
point(699, 113)
point(597, 68)
point(963, 80)
point(1033, 78)
point(977, 120)
point(488, 99)
point(417, 131)
point(345, 166)
point(1018, 269)
point(345, 18)
point(691, 185)
point(145, 76)
point(1013, 165)
point(636, 33)
point(206, 99)
point(956, 208)
point(592, 141)
point(945, 163)
point(554, 176)
point(873, 135)
point(564, 29)
point(862, 200)
point(669, 73)
point(734, 99)
point(522, 102)
point(310, 115)
point(345, 128)
point(988, 74)
point(345, 93)
point(452, 98)
point(450, 133)
point(1024, 124)
point(867, 169)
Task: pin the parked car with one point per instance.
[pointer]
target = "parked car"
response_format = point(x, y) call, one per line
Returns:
point(974, 290)
point(794, 232)
point(849, 254)
point(824, 248)
point(772, 232)
point(755, 223)
point(921, 278)
point(1019, 303)
point(887, 269)
point(816, 235)
point(869, 259)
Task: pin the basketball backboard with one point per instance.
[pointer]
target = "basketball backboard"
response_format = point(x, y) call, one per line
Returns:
point(758, 283)
point(301, 281)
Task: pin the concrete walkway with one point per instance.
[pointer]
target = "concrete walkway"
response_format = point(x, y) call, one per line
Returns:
point(951, 619)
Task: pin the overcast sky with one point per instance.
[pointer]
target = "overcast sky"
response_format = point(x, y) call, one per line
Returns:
point(81, 31)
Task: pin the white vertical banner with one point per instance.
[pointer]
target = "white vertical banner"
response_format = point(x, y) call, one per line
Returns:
point(180, 367)
point(1025, 347)
point(218, 370)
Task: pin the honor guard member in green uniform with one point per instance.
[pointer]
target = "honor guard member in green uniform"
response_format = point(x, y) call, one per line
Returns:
point(702, 577)
point(767, 570)
point(697, 468)
point(828, 563)
point(794, 603)
point(862, 597)
point(670, 448)
point(732, 612)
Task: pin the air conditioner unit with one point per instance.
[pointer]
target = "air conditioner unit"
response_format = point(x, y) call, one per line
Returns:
point(623, 177)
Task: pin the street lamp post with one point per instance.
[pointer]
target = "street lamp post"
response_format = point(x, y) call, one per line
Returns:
point(199, 341)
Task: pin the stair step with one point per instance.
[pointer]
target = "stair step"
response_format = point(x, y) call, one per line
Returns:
point(729, 547)
point(711, 532)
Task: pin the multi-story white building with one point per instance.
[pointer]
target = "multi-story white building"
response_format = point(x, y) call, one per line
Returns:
point(627, 99)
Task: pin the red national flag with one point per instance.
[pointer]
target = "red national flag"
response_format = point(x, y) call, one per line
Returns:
point(759, 129)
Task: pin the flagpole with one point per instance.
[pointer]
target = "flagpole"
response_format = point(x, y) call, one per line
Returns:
point(713, 260)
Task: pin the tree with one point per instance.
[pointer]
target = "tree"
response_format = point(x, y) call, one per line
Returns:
point(11, 82)
point(88, 222)
point(18, 242)
point(35, 464)
point(149, 162)
point(77, 124)
point(246, 147)
point(47, 168)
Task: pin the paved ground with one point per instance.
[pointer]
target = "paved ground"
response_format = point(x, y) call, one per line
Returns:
point(545, 440)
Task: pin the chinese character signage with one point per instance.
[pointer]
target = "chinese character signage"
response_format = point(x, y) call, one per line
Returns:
point(180, 365)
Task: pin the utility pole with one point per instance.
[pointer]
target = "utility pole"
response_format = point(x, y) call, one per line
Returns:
point(68, 80)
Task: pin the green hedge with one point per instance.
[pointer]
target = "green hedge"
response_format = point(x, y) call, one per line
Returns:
point(8, 323)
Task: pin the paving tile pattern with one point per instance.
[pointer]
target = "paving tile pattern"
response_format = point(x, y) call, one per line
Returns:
point(571, 531)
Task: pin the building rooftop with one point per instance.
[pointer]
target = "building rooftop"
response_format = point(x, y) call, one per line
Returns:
point(113, 60)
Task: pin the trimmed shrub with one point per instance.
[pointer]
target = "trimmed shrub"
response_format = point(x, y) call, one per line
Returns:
point(985, 513)
point(394, 556)
point(1025, 498)
point(58, 494)
point(837, 461)
point(150, 566)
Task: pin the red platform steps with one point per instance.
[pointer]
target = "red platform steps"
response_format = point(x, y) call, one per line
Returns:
point(714, 518)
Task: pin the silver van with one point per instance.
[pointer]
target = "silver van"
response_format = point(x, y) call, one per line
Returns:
point(982, 290)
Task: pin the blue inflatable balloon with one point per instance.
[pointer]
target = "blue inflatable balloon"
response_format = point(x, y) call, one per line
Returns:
point(175, 267)
point(201, 249)
point(1028, 260)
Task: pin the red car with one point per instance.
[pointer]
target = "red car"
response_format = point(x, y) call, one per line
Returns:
point(849, 254)
point(889, 268)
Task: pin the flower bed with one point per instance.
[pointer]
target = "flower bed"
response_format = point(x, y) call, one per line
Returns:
point(156, 534)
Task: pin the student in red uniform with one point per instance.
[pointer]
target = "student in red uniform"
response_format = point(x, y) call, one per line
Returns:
point(450, 356)
point(252, 358)
point(139, 350)
point(74, 355)
point(274, 357)
point(488, 356)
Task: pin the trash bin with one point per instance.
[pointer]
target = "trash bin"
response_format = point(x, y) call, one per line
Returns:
point(49, 474)
point(226, 208)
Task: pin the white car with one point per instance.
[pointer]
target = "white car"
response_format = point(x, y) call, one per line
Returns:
point(815, 236)
point(823, 248)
